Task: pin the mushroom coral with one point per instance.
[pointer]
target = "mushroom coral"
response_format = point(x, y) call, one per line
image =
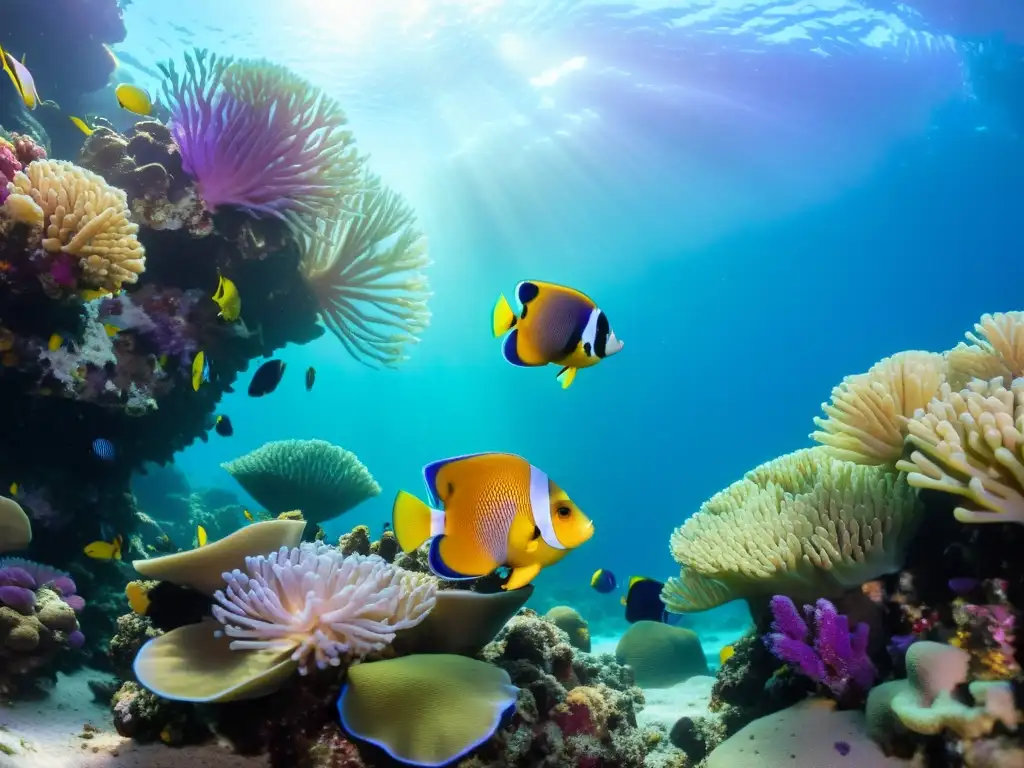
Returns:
point(366, 271)
point(320, 479)
point(866, 419)
point(426, 710)
point(971, 443)
point(290, 610)
point(811, 526)
point(80, 215)
point(256, 136)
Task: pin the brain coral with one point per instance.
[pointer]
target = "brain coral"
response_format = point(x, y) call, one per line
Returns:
point(810, 527)
point(83, 216)
point(661, 655)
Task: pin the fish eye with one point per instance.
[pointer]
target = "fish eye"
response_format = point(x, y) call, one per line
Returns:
point(563, 511)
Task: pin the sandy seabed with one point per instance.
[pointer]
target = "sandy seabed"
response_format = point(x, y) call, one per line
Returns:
point(68, 729)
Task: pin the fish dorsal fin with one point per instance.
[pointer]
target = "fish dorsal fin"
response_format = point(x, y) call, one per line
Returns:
point(538, 287)
point(432, 469)
point(527, 291)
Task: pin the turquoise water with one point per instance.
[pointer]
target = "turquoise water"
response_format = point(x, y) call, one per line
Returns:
point(763, 198)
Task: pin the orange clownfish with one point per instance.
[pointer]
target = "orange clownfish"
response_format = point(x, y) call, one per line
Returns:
point(489, 510)
point(556, 325)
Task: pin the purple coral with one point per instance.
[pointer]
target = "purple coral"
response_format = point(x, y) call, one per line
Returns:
point(9, 165)
point(256, 136)
point(837, 658)
point(30, 575)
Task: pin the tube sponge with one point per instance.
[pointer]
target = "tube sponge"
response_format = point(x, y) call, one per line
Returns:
point(868, 412)
point(428, 709)
point(82, 216)
point(803, 534)
point(971, 443)
point(366, 272)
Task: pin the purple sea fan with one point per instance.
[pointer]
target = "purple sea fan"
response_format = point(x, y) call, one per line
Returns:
point(320, 604)
point(257, 136)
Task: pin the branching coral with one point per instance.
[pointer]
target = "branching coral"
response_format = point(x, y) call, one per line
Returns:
point(996, 351)
point(971, 444)
point(755, 540)
point(324, 605)
point(257, 136)
point(82, 216)
point(867, 416)
point(366, 272)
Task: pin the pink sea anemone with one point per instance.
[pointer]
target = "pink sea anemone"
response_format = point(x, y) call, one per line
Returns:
point(324, 605)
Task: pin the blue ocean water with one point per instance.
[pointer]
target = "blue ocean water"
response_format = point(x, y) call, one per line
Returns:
point(764, 197)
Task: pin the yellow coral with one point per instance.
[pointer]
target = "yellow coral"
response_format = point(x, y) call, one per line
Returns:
point(996, 351)
point(83, 216)
point(867, 416)
point(971, 443)
point(803, 534)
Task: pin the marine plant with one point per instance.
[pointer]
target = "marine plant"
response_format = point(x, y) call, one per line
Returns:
point(835, 657)
point(366, 271)
point(256, 136)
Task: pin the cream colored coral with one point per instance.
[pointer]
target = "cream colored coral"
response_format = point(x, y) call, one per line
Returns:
point(367, 273)
point(804, 534)
point(996, 350)
point(84, 217)
point(867, 416)
point(971, 443)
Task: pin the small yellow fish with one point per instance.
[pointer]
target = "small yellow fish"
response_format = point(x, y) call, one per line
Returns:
point(54, 343)
point(201, 535)
point(112, 330)
point(105, 550)
point(489, 510)
point(200, 370)
point(81, 125)
point(556, 325)
point(134, 99)
point(22, 79)
point(725, 654)
point(91, 294)
point(14, 489)
point(138, 597)
point(248, 515)
point(228, 300)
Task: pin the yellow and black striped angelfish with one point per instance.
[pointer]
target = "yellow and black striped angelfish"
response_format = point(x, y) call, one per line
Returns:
point(556, 325)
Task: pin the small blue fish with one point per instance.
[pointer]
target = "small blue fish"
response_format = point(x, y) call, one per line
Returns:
point(103, 449)
point(603, 581)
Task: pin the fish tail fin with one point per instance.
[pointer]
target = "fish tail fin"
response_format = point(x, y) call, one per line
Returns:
point(412, 521)
point(503, 319)
point(566, 376)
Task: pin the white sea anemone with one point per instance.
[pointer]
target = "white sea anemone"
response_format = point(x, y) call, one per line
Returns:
point(324, 605)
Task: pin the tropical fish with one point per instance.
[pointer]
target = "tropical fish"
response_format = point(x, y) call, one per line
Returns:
point(200, 370)
point(556, 325)
point(266, 378)
point(133, 99)
point(91, 294)
point(13, 489)
point(138, 597)
point(223, 426)
point(111, 329)
point(105, 550)
point(726, 653)
point(55, 342)
point(603, 581)
point(248, 515)
point(643, 602)
point(82, 125)
point(21, 78)
point(200, 536)
point(489, 510)
point(227, 299)
point(310, 377)
point(104, 449)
